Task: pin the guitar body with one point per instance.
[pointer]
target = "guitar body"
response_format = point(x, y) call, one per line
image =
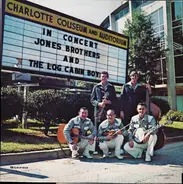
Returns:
point(155, 111)
point(161, 137)
point(60, 135)
point(161, 141)
point(139, 135)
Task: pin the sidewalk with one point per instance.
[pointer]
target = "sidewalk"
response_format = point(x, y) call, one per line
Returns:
point(23, 157)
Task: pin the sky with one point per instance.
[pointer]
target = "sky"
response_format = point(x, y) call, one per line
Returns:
point(93, 11)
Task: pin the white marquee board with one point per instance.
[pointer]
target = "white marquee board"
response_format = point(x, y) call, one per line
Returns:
point(43, 41)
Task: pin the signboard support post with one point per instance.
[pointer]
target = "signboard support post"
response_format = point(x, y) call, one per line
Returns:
point(24, 115)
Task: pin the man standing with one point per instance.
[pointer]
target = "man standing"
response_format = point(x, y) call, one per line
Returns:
point(87, 133)
point(111, 134)
point(132, 93)
point(103, 97)
point(138, 139)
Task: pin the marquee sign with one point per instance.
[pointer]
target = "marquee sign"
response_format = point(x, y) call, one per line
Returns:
point(39, 40)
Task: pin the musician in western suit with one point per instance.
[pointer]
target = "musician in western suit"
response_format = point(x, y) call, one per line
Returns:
point(103, 97)
point(141, 123)
point(132, 93)
point(111, 134)
point(87, 132)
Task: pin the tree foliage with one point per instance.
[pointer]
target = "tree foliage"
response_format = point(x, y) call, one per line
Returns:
point(55, 106)
point(144, 47)
point(11, 103)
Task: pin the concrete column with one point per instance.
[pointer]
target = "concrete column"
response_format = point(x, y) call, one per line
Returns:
point(112, 22)
point(171, 84)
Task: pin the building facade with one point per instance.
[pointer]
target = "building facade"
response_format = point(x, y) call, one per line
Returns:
point(158, 12)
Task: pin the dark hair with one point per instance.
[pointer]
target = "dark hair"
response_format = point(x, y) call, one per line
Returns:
point(142, 104)
point(84, 108)
point(105, 73)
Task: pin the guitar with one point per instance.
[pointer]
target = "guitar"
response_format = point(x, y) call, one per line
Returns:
point(140, 133)
point(74, 135)
point(114, 132)
point(100, 111)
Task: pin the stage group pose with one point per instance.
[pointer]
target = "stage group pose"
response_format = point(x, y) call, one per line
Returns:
point(120, 126)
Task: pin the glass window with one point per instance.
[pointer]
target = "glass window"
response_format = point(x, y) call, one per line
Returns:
point(136, 3)
point(178, 35)
point(154, 18)
point(161, 15)
point(178, 10)
point(162, 28)
point(121, 13)
point(178, 69)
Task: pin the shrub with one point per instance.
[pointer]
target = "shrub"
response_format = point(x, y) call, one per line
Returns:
point(177, 115)
point(11, 103)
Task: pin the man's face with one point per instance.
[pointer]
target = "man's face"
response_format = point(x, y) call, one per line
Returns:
point(83, 114)
point(110, 116)
point(103, 77)
point(141, 109)
point(134, 78)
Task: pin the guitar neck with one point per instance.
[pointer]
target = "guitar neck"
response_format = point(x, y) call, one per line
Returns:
point(159, 126)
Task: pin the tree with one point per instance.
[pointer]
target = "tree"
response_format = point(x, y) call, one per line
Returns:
point(144, 47)
point(45, 105)
point(11, 103)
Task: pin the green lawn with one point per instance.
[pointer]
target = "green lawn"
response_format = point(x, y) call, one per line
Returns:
point(22, 140)
point(13, 147)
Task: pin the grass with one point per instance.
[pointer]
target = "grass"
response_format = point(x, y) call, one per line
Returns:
point(33, 139)
point(13, 147)
point(22, 140)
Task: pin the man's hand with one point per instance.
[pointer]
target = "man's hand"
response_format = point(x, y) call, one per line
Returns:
point(91, 141)
point(74, 146)
point(131, 143)
point(146, 138)
point(110, 137)
point(101, 104)
point(119, 132)
point(105, 101)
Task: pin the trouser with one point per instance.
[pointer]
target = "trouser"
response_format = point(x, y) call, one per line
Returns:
point(137, 149)
point(83, 144)
point(114, 143)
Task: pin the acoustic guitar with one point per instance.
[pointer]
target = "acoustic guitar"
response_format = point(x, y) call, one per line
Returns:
point(75, 135)
point(140, 133)
point(115, 132)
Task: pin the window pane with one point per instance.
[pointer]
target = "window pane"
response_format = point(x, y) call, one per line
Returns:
point(178, 10)
point(161, 15)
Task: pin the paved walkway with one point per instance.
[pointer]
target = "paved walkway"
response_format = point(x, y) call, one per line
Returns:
point(23, 157)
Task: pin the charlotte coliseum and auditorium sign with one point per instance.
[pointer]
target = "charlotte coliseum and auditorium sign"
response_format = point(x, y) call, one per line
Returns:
point(42, 41)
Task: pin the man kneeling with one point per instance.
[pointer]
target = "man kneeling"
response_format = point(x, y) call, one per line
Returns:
point(86, 132)
point(110, 134)
point(142, 134)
